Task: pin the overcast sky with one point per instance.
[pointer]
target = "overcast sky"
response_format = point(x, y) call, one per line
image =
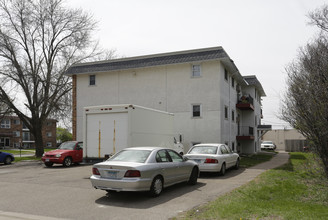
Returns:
point(261, 36)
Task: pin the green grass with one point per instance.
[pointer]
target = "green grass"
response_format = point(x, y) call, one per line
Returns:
point(24, 151)
point(18, 159)
point(252, 160)
point(297, 190)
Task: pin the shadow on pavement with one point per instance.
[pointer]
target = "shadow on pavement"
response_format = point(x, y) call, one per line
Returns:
point(141, 200)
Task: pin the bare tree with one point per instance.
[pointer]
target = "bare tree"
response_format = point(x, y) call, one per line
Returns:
point(306, 101)
point(39, 40)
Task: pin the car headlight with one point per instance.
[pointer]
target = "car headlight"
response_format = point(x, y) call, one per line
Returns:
point(58, 155)
point(43, 155)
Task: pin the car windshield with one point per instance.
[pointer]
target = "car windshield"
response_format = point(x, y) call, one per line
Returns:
point(203, 150)
point(139, 156)
point(67, 146)
point(267, 142)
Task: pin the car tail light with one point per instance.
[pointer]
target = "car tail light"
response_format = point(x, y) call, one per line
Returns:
point(95, 171)
point(209, 160)
point(132, 173)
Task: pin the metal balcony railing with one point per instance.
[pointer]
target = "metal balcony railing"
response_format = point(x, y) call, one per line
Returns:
point(246, 131)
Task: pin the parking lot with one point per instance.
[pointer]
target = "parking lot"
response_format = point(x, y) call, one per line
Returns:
point(30, 189)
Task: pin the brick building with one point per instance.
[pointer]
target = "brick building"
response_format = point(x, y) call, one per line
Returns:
point(13, 133)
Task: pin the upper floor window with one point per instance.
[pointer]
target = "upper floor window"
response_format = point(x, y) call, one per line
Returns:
point(16, 133)
point(226, 74)
point(49, 134)
point(232, 82)
point(92, 80)
point(49, 123)
point(196, 71)
point(226, 112)
point(196, 109)
point(16, 121)
point(232, 115)
point(5, 123)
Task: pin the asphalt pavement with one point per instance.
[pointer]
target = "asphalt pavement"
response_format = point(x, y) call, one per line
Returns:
point(41, 193)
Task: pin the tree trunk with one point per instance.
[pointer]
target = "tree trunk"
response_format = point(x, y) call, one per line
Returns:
point(37, 133)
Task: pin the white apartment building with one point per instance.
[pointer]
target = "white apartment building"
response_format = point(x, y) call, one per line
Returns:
point(203, 88)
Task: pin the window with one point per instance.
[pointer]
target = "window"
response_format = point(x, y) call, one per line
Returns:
point(24, 126)
point(232, 115)
point(232, 82)
point(16, 134)
point(16, 121)
point(233, 146)
point(5, 123)
point(225, 112)
point(224, 150)
point(196, 71)
point(161, 156)
point(49, 123)
point(226, 74)
point(49, 144)
point(196, 108)
point(175, 156)
point(26, 136)
point(49, 134)
point(92, 80)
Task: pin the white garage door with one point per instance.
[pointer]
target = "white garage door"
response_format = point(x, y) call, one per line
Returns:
point(101, 127)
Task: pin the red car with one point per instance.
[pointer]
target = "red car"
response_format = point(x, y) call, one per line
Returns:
point(67, 153)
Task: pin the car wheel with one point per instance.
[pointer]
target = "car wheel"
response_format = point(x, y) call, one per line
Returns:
point(193, 176)
point(48, 164)
point(156, 187)
point(237, 164)
point(8, 160)
point(223, 169)
point(67, 162)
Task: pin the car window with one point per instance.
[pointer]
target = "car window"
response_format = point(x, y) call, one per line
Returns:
point(161, 156)
point(67, 146)
point(228, 149)
point(175, 156)
point(203, 150)
point(223, 150)
point(139, 156)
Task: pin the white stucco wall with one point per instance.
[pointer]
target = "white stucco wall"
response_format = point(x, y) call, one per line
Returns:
point(168, 88)
point(171, 88)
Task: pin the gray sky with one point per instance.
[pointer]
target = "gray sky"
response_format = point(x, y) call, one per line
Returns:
point(261, 36)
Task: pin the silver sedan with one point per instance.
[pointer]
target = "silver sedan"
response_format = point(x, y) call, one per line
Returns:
point(213, 157)
point(144, 169)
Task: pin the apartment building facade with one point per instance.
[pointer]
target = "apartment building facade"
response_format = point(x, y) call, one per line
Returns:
point(14, 134)
point(203, 88)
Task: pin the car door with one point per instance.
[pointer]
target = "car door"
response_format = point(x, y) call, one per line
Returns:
point(167, 167)
point(224, 154)
point(182, 169)
point(230, 160)
point(78, 153)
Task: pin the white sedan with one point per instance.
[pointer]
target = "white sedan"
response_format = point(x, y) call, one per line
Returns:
point(213, 157)
point(143, 169)
point(268, 145)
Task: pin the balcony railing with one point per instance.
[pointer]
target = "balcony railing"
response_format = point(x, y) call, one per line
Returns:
point(245, 102)
point(245, 133)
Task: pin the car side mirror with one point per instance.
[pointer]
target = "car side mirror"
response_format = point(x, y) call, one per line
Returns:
point(185, 159)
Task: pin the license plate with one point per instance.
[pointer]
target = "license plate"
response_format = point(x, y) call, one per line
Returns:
point(112, 174)
point(47, 160)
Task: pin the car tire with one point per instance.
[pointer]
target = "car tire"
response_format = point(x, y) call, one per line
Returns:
point(48, 164)
point(67, 162)
point(8, 160)
point(193, 176)
point(223, 170)
point(156, 186)
point(237, 164)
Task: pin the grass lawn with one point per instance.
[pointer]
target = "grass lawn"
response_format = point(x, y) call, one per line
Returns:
point(25, 151)
point(297, 190)
point(18, 159)
point(252, 160)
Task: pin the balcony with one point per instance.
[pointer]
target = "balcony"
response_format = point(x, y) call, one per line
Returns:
point(245, 133)
point(245, 102)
